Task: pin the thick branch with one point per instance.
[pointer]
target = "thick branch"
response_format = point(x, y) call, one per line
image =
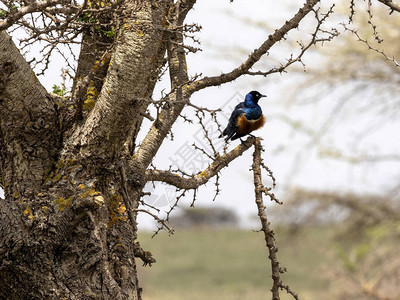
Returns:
point(28, 122)
point(201, 178)
point(183, 7)
point(118, 105)
point(179, 76)
point(254, 57)
point(157, 66)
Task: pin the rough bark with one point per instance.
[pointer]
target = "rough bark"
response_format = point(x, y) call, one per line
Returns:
point(105, 130)
point(28, 121)
point(94, 58)
point(179, 76)
point(65, 217)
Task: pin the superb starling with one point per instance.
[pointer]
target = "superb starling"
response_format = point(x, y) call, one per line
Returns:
point(246, 117)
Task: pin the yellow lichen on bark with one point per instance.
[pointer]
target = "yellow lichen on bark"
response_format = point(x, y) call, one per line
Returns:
point(28, 212)
point(63, 203)
point(91, 96)
point(204, 174)
point(116, 209)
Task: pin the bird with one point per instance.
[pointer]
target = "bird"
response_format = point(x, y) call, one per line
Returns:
point(245, 118)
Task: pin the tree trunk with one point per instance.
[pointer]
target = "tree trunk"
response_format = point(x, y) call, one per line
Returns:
point(65, 229)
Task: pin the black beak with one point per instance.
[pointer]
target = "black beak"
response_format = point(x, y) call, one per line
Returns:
point(263, 96)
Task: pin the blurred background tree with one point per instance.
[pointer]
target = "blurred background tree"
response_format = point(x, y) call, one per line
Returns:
point(207, 217)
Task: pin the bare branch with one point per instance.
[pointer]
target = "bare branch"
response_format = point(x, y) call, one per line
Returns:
point(201, 178)
point(265, 225)
point(304, 47)
point(254, 57)
point(370, 47)
point(393, 6)
point(159, 220)
point(35, 6)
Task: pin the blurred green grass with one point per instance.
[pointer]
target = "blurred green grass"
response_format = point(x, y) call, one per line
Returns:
point(233, 264)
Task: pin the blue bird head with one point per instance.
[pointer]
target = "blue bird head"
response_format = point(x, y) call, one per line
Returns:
point(252, 98)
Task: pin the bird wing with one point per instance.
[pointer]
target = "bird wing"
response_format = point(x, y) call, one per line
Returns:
point(232, 128)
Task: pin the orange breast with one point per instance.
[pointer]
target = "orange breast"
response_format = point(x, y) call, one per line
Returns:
point(246, 126)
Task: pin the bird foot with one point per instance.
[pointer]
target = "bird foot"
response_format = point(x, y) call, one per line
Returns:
point(243, 142)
